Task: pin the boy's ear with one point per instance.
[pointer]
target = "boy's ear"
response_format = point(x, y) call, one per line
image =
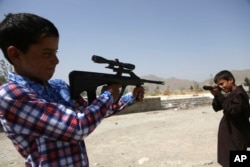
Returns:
point(13, 54)
point(231, 80)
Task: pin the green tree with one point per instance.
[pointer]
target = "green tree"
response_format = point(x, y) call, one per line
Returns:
point(247, 83)
point(4, 69)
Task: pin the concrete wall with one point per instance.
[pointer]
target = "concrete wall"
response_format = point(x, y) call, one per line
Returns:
point(148, 104)
point(186, 103)
point(156, 103)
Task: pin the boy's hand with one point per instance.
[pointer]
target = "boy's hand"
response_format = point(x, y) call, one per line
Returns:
point(114, 89)
point(215, 90)
point(138, 93)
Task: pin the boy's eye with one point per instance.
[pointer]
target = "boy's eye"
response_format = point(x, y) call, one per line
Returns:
point(50, 53)
point(47, 53)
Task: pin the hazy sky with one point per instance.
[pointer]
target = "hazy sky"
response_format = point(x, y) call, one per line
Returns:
point(187, 39)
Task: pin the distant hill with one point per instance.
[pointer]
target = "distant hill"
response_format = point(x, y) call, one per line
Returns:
point(183, 84)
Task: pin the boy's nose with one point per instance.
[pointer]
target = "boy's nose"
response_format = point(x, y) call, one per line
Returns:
point(55, 60)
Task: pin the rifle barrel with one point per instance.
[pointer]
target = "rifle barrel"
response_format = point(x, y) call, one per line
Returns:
point(152, 81)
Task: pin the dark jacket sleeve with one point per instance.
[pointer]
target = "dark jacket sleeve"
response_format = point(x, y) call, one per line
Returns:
point(218, 101)
point(235, 106)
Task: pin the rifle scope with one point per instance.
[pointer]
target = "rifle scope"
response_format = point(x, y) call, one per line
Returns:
point(112, 63)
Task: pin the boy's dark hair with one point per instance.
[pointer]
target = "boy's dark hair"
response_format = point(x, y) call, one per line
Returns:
point(225, 74)
point(24, 29)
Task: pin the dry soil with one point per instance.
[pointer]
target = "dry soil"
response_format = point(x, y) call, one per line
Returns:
point(162, 138)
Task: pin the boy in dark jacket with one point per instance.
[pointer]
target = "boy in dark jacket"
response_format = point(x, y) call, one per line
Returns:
point(233, 134)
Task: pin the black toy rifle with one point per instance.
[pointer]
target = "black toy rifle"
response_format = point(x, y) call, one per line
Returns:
point(206, 87)
point(89, 81)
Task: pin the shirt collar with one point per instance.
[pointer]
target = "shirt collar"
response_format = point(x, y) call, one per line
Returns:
point(15, 78)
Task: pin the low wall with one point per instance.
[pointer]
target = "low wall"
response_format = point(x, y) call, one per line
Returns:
point(148, 104)
point(156, 103)
point(186, 103)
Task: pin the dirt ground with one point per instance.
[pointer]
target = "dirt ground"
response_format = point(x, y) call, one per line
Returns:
point(164, 138)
